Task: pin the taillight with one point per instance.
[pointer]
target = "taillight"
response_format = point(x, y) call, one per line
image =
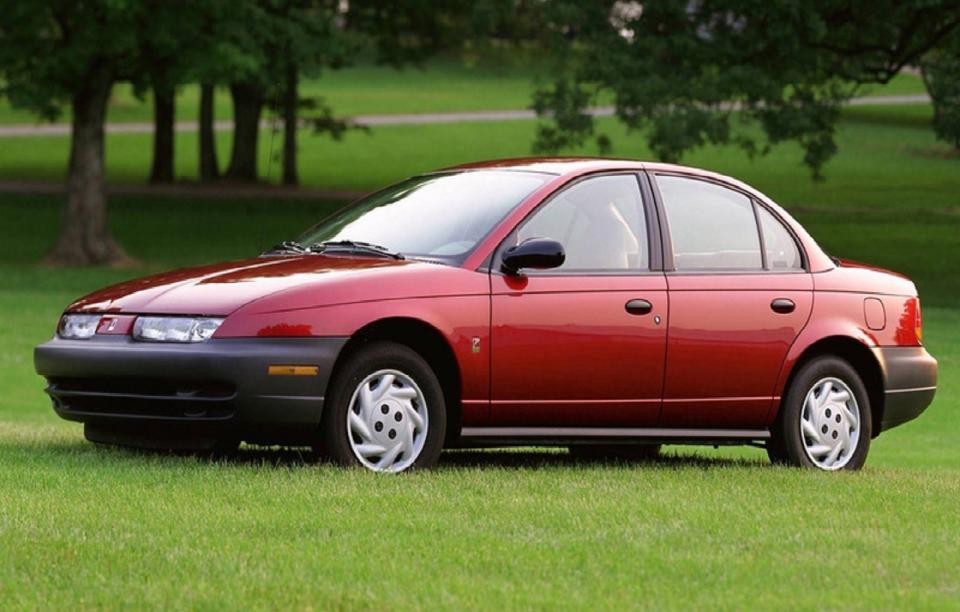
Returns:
point(917, 320)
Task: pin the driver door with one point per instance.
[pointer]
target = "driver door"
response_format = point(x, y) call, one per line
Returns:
point(582, 344)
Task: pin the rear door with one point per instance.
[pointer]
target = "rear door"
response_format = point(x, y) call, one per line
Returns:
point(739, 296)
point(583, 344)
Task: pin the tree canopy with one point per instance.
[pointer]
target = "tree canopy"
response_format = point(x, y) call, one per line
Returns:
point(941, 74)
point(684, 73)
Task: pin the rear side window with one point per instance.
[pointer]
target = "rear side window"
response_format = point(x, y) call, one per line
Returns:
point(711, 227)
point(782, 251)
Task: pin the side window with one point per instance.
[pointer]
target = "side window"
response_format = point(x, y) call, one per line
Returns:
point(711, 227)
point(782, 251)
point(600, 223)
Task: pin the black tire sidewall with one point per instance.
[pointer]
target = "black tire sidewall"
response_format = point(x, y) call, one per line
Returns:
point(788, 426)
point(334, 444)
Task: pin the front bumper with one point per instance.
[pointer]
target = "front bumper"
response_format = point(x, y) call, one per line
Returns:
point(217, 389)
point(909, 383)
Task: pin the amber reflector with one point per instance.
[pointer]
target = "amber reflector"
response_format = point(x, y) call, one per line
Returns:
point(292, 370)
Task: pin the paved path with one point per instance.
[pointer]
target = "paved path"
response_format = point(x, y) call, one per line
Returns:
point(62, 129)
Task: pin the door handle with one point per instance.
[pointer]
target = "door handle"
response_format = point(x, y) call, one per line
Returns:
point(638, 307)
point(782, 305)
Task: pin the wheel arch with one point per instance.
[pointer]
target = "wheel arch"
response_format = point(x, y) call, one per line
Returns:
point(427, 341)
point(858, 355)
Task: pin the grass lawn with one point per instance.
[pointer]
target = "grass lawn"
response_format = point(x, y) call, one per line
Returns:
point(441, 85)
point(89, 527)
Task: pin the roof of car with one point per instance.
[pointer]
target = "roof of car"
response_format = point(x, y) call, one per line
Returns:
point(576, 165)
point(565, 166)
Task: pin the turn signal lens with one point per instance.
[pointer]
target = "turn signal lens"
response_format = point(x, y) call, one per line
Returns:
point(175, 329)
point(918, 321)
point(78, 326)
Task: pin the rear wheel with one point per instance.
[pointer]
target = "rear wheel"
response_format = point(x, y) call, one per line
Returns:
point(824, 420)
point(385, 411)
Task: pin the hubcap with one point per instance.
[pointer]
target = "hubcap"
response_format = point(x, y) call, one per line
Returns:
point(830, 424)
point(387, 421)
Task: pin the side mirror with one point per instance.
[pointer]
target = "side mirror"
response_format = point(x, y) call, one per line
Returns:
point(536, 253)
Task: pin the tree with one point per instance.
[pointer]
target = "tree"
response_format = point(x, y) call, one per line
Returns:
point(683, 72)
point(207, 154)
point(941, 75)
point(169, 45)
point(282, 40)
point(72, 53)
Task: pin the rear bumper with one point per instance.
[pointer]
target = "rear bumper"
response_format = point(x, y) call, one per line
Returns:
point(909, 383)
point(212, 390)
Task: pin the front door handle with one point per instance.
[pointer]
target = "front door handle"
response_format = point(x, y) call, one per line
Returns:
point(639, 307)
point(782, 305)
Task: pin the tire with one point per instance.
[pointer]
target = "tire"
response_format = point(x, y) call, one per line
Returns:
point(615, 452)
point(385, 411)
point(829, 396)
point(777, 451)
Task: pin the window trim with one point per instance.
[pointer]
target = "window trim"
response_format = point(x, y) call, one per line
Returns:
point(650, 217)
point(669, 266)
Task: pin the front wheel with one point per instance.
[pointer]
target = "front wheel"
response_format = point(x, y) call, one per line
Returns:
point(385, 411)
point(824, 420)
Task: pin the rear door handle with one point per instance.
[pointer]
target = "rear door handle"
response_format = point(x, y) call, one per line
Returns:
point(782, 305)
point(639, 307)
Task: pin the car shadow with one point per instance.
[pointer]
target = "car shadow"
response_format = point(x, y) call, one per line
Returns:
point(459, 459)
point(454, 459)
point(537, 458)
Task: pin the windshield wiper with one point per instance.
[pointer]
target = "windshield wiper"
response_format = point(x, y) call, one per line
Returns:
point(286, 247)
point(353, 246)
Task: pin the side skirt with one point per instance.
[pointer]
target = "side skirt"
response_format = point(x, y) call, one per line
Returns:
point(562, 436)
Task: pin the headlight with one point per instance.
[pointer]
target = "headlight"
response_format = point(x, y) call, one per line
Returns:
point(78, 326)
point(175, 329)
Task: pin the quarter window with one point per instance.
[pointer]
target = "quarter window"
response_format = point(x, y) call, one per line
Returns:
point(782, 251)
point(711, 227)
point(600, 223)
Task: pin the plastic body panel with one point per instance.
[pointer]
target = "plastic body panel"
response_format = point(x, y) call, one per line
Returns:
point(561, 351)
point(726, 345)
point(566, 352)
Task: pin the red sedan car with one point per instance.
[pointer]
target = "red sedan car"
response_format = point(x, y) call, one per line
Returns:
point(612, 306)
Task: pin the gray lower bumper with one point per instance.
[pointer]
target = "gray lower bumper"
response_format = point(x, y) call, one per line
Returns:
point(910, 382)
point(220, 386)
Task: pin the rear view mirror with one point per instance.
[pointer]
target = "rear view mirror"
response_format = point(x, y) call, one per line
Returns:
point(535, 253)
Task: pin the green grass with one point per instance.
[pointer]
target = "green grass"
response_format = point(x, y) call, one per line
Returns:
point(442, 85)
point(500, 82)
point(87, 527)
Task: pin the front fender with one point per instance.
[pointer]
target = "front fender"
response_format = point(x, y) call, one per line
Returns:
point(464, 321)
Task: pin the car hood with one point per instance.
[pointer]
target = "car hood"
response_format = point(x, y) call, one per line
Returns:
point(219, 289)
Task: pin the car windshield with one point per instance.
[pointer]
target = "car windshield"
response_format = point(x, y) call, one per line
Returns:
point(437, 216)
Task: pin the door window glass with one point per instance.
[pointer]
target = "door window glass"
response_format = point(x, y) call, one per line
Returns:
point(600, 223)
point(782, 251)
point(711, 227)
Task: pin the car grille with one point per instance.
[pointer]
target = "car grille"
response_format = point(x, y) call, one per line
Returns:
point(143, 397)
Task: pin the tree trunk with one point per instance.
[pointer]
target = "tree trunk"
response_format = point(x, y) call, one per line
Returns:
point(84, 235)
point(291, 99)
point(247, 105)
point(163, 134)
point(209, 170)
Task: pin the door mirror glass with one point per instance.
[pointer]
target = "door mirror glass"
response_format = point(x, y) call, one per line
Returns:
point(536, 253)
